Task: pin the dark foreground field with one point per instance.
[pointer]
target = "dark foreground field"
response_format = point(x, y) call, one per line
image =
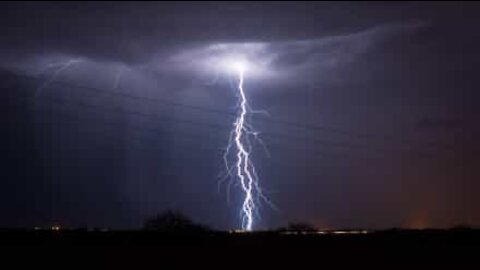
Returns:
point(424, 249)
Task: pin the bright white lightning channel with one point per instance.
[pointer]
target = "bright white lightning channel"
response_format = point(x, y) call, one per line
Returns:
point(243, 169)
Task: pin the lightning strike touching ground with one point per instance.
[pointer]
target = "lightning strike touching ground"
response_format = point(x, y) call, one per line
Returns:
point(59, 69)
point(243, 170)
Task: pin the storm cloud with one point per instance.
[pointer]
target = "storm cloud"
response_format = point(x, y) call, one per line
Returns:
point(373, 110)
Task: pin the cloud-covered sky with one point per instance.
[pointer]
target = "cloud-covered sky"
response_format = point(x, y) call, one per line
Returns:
point(373, 111)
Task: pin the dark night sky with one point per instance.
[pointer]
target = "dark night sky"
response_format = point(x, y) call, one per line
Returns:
point(373, 112)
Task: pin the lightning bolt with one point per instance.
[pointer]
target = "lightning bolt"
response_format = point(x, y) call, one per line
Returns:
point(59, 69)
point(243, 171)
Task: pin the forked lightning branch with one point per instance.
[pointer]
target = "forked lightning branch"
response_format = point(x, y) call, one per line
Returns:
point(239, 149)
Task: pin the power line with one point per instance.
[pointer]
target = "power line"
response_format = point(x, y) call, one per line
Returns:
point(197, 136)
point(63, 101)
point(130, 96)
point(184, 133)
point(222, 112)
point(112, 145)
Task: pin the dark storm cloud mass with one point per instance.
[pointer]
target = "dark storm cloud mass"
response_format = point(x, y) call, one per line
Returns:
point(279, 59)
point(401, 70)
point(133, 32)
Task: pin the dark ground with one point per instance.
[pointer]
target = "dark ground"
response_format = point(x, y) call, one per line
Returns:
point(426, 249)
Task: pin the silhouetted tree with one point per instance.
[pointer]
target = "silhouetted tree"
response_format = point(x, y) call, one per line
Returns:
point(172, 221)
point(301, 226)
point(461, 227)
